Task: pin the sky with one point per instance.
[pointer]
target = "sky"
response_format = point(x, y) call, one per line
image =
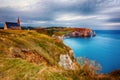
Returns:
point(94, 14)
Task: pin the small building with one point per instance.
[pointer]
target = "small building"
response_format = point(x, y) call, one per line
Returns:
point(12, 25)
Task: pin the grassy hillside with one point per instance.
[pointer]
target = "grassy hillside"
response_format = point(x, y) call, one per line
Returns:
point(28, 55)
point(17, 43)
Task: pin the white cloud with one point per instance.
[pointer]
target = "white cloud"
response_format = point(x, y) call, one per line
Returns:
point(111, 9)
point(17, 4)
point(69, 17)
point(34, 22)
point(111, 24)
point(39, 22)
point(69, 2)
point(103, 17)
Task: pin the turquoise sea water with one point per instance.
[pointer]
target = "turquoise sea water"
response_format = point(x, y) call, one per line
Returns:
point(103, 48)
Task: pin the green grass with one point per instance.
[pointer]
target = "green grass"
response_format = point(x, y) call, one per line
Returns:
point(53, 76)
point(44, 52)
point(17, 69)
point(32, 40)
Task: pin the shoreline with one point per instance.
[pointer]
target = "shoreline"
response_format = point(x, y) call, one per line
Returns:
point(99, 62)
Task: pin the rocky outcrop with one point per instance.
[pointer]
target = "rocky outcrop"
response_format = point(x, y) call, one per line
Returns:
point(66, 62)
point(80, 32)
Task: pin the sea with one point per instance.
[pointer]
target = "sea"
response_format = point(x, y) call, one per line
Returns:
point(104, 48)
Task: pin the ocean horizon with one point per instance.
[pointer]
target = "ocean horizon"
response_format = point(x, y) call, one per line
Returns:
point(103, 48)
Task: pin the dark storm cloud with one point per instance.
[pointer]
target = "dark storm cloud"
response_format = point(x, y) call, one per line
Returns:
point(84, 7)
point(114, 20)
point(49, 10)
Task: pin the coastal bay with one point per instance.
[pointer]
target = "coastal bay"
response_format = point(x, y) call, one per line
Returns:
point(104, 49)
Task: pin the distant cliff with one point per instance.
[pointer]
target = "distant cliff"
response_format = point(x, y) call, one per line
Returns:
point(79, 32)
point(67, 32)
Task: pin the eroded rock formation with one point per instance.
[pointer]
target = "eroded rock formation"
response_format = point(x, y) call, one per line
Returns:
point(80, 32)
point(66, 62)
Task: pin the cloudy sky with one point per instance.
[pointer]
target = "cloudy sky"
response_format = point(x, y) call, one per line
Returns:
point(95, 14)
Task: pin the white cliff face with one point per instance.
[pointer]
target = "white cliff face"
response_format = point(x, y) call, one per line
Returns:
point(65, 61)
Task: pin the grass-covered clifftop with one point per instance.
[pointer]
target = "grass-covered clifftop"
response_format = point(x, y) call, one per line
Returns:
point(17, 43)
point(26, 54)
point(29, 55)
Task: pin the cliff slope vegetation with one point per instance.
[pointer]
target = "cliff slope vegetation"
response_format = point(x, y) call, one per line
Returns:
point(28, 55)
